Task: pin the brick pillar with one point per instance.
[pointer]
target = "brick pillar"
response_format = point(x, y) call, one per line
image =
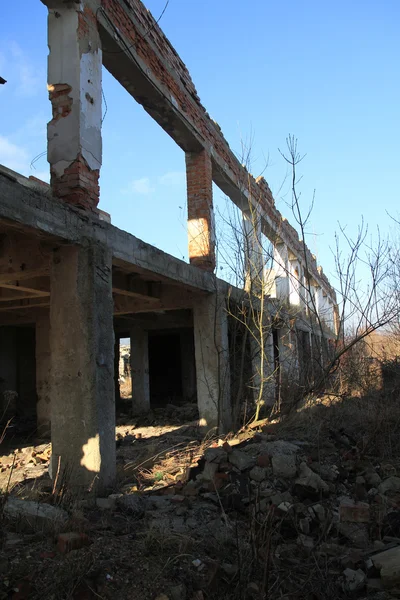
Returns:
point(201, 226)
point(74, 148)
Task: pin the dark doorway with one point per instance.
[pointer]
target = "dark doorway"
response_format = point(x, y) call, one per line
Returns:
point(165, 369)
point(277, 366)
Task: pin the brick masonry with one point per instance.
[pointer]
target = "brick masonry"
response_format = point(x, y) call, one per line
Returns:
point(200, 210)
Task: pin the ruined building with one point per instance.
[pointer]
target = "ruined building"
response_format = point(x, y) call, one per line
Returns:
point(72, 285)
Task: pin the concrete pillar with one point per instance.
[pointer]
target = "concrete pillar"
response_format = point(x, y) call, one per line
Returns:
point(201, 222)
point(82, 367)
point(43, 404)
point(140, 371)
point(74, 148)
point(188, 365)
point(253, 252)
point(212, 362)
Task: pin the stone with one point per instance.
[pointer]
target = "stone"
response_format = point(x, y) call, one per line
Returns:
point(216, 455)
point(354, 580)
point(209, 471)
point(37, 515)
point(132, 503)
point(229, 569)
point(178, 592)
point(372, 478)
point(284, 465)
point(320, 512)
point(391, 484)
point(258, 474)
point(356, 533)
point(241, 460)
point(279, 448)
point(106, 503)
point(309, 484)
point(354, 512)
point(305, 541)
point(71, 541)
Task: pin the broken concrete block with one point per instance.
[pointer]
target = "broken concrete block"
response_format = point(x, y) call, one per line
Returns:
point(354, 580)
point(279, 448)
point(209, 471)
point(241, 460)
point(284, 466)
point(356, 533)
point(37, 515)
point(258, 474)
point(391, 484)
point(309, 483)
point(132, 503)
point(354, 512)
point(215, 455)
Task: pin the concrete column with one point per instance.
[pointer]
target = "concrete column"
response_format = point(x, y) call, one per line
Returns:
point(140, 371)
point(74, 148)
point(253, 252)
point(188, 365)
point(212, 362)
point(43, 405)
point(82, 367)
point(201, 222)
point(263, 375)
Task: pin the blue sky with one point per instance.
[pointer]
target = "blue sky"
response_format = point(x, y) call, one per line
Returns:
point(327, 72)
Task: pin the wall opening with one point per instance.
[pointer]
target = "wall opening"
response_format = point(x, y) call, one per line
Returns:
point(165, 369)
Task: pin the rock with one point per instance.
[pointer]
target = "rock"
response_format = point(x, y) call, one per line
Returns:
point(72, 541)
point(159, 502)
point(132, 503)
point(241, 460)
point(108, 503)
point(285, 507)
point(356, 533)
point(37, 515)
point(305, 541)
point(354, 580)
point(229, 569)
point(284, 466)
point(178, 592)
point(391, 484)
point(304, 525)
point(279, 448)
point(354, 512)
point(209, 471)
point(258, 474)
point(320, 512)
point(309, 484)
point(372, 478)
point(215, 455)
point(162, 597)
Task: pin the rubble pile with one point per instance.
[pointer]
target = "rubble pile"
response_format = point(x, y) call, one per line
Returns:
point(252, 516)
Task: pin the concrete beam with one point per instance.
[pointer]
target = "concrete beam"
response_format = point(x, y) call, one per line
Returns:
point(35, 212)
